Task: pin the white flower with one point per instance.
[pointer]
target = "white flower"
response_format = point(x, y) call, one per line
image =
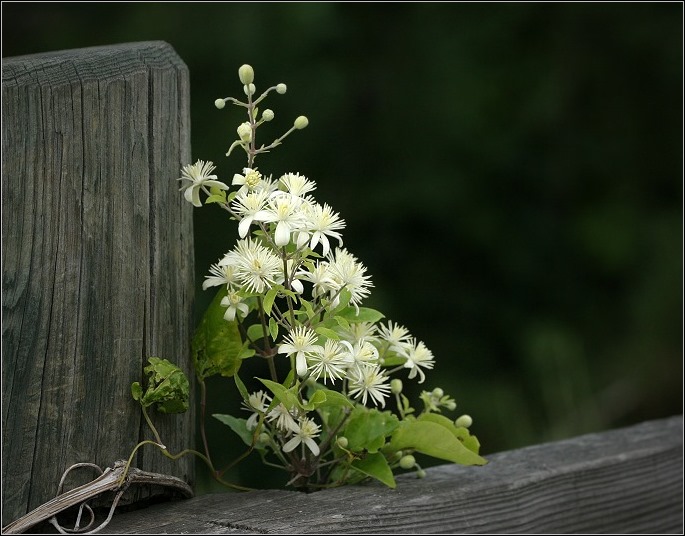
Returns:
point(283, 210)
point(235, 305)
point(306, 431)
point(349, 273)
point(256, 267)
point(246, 205)
point(250, 180)
point(369, 381)
point(258, 403)
point(362, 353)
point(358, 331)
point(322, 222)
point(301, 341)
point(296, 184)
point(319, 275)
point(199, 175)
point(331, 362)
point(417, 356)
point(221, 275)
point(284, 420)
point(395, 335)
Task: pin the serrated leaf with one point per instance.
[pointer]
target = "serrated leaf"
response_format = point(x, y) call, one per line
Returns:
point(368, 428)
point(216, 345)
point(167, 387)
point(376, 466)
point(433, 439)
point(239, 426)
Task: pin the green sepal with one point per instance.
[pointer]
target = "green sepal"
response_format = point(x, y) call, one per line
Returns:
point(217, 346)
point(168, 387)
point(376, 466)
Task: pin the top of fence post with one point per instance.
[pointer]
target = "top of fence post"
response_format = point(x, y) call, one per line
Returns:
point(97, 260)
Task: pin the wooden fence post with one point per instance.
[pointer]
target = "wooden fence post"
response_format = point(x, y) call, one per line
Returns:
point(97, 259)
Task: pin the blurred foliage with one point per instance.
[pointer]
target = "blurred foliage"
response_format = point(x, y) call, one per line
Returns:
point(511, 174)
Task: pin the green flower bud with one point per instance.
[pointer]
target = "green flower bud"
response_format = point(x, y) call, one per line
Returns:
point(281, 89)
point(249, 90)
point(301, 122)
point(464, 421)
point(220, 103)
point(396, 386)
point(421, 473)
point(451, 405)
point(438, 393)
point(245, 132)
point(246, 74)
point(407, 462)
point(342, 442)
point(263, 438)
point(267, 115)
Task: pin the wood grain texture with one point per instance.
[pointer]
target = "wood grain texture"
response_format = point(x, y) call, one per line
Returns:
point(97, 258)
point(621, 481)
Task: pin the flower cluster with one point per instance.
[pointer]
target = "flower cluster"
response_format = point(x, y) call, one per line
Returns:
point(290, 293)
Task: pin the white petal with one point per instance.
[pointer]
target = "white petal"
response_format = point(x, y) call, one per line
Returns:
point(230, 314)
point(297, 286)
point(301, 364)
point(312, 446)
point(282, 236)
point(290, 445)
point(244, 226)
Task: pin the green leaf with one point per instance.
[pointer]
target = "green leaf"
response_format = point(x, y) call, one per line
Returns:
point(461, 433)
point(376, 466)
point(216, 345)
point(317, 399)
point(328, 333)
point(365, 314)
point(334, 398)
point(342, 322)
point(368, 428)
point(136, 391)
point(392, 359)
point(239, 426)
point(308, 309)
point(167, 387)
point(433, 439)
point(215, 199)
point(270, 297)
point(273, 329)
point(288, 397)
point(255, 332)
point(241, 387)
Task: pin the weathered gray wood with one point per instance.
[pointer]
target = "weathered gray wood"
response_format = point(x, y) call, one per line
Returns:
point(621, 481)
point(97, 258)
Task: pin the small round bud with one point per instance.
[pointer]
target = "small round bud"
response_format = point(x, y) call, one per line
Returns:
point(451, 405)
point(301, 122)
point(342, 442)
point(263, 438)
point(407, 462)
point(464, 421)
point(246, 74)
point(220, 103)
point(396, 386)
point(438, 393)
point(249, 90)
point(421, 473)
point(268, 114)
point(281, 89)
point(245, 132)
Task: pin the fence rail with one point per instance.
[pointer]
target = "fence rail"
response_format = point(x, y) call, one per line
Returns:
point(620, 481)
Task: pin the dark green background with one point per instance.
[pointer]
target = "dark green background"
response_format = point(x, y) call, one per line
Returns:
point(511, 174)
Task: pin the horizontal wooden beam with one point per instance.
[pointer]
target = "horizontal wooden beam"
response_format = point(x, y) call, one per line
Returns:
point(620, 481)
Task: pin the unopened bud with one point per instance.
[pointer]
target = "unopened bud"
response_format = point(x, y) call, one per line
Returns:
point(421, 473)
point(301, 122)
point(407, 462)
point(267, 115)
point(396, 386)
point(249, 89)
point(451, 405)
point(245, 132)
point(220, 103)
point(246, 74)
point(263, 438)
point(464, 421)
point(342, 442)
point(281, 89)
point(438, 393)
